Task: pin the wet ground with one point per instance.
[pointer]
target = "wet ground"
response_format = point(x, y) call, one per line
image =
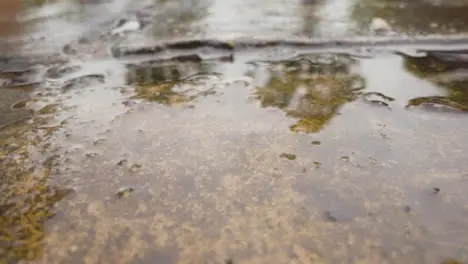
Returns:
point(215, 152)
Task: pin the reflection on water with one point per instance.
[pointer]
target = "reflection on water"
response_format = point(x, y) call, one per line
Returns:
point(311, 89)
point(182, 185)
point(224, 179)
point(172, 84)
point(446, 69)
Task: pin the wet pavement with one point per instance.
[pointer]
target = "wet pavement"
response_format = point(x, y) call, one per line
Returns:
point(297, 150)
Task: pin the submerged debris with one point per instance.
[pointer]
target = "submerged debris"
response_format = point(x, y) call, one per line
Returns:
point(407, 209)
point(98, 141)
point(317, 164)
point(124, 192)
point(344, 158)
point(135, 167)
point(288, 156)
point(122, 162)
point(91, 154)
point(329, 217)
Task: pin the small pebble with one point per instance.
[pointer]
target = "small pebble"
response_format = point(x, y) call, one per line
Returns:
point(98, 141)
point(124, 192)
point(407, 209)
point(317, 164)
point(122, 162)
point(288, 156)
point(330, 217)
point(90, 155)
point(135, 167)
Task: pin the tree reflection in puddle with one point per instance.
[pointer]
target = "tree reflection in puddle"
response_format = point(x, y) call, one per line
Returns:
point(446, 69)
point(312, 89)
point(172, 84)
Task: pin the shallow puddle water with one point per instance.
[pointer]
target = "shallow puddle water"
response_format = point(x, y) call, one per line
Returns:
point(323, 158)
point(226, 155)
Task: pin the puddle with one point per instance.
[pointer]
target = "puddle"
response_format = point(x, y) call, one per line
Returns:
point(230, 153)
point(214, 160)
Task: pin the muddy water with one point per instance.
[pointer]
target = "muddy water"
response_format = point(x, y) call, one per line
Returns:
point(259, 156)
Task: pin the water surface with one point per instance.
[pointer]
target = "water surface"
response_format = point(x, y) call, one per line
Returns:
point(264, 157)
